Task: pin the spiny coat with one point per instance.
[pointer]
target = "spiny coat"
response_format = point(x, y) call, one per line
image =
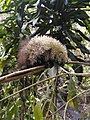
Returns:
point(41, 50)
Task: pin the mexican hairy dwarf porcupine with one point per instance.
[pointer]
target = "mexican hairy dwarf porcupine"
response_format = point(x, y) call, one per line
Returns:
point(41, 50)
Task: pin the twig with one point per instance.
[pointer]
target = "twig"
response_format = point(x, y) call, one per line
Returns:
point(71, 100)
point(57, 110)
point(77, 62)
point(76, 74)
point(22, 108)
point(55, 90)
point(39, 82)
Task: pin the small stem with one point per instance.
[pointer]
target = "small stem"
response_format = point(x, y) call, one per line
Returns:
point(22, 96)
point(55, 90)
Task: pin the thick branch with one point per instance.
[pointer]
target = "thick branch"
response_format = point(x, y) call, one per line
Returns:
point(19, 74)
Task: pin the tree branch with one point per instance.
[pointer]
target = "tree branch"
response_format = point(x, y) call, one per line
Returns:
point(34, 84)
point(77, 62)
point(19, 74)
point(76, 74)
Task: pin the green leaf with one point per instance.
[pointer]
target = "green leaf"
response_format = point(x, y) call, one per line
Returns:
point(87, 22)
point(6, 4)
point(81, 23)
point(45, 107)
point(83, 48)
point(3, 32)
point(38, 114)
point(71, 94)
point(77, 39)
point(82, 14)
point(82, 34)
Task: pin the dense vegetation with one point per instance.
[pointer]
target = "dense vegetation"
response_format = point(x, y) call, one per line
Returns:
point(69, 22)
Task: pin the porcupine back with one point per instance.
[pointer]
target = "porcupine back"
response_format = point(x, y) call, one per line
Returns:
point(40, 50)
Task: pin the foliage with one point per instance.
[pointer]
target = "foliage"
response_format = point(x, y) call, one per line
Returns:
point(38, 17)
point(65, 20)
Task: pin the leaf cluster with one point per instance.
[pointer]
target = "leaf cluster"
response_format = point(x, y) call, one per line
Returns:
point(57, 18)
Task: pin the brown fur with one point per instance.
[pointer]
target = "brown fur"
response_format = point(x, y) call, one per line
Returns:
point(41, 50)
